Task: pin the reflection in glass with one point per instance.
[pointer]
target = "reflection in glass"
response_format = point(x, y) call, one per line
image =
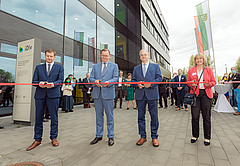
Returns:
point(68, 65)
point(80, 68)
point(80, 22)
point(109, 5)
point(8, 68)
point(47, 14)
point(121, 46)
point(8, 48)
point(121, 12)
point(105, 36)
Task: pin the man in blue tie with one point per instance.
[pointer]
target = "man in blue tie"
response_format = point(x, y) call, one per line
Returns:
point(147, 94)
point(49, 76)
point(103, 94)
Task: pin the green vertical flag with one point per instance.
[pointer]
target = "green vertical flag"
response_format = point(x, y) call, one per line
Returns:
point(204, 22)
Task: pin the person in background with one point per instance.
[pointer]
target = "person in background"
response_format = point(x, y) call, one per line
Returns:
point(236, 86)
point(130, 92)
point(162, 89)
point(2, 80)
point(181, 88)
point(119, 89)
point(67, 104)
point(86, 91)
point(173, 91)
point(204, 97)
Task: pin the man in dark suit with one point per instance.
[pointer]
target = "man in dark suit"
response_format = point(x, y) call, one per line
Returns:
point(147, 94)
point(49, 76)
point(119, 89)
point(181, 88)
point(2, 80)
point(162, 88)
point(104, 72)
point(86, 91)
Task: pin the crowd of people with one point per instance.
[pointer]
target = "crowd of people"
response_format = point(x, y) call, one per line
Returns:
point(106, 85)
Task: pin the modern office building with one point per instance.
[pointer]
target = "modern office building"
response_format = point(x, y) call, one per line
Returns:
point(79, 29)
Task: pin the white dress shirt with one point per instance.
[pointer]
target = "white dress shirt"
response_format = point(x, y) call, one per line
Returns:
point(51, 65)
point(103, 65)
point(147, 64)
point(201, 86)
point(179, 77)
point(120, 80)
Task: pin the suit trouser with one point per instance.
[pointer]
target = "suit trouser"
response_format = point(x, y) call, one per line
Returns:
point(203, 104)
point(86, 98)
point(237, 96)
point(164, 96)
point(174, 96)
point(153, 110)
point(180, 96)
point(101, 105)
point(40, 105)
point(119, 92)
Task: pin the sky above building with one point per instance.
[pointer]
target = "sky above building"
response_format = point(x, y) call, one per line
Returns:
point(225, 31)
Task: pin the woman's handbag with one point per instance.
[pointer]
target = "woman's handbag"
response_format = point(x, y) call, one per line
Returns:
point(190, 99)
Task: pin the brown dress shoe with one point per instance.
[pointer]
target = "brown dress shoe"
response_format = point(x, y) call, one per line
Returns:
point(178, 109)
point(186, 109)
point(34, 145)
point(155, 142)
point(55, 142)
point(141, 141)
point(237, 113)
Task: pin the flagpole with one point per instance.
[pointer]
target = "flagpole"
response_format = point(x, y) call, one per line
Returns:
point(215, 71)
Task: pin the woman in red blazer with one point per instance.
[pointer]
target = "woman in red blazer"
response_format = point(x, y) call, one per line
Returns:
point(204, 97)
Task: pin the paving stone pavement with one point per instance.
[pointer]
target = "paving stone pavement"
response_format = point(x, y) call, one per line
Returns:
point(77, 129)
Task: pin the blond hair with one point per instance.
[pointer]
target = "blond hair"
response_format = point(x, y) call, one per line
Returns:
point(200, 55)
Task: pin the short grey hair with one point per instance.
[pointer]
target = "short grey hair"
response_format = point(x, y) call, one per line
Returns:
point(233, 68)
point(143, 50)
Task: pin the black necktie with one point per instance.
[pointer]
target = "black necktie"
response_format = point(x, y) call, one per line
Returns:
point(49, 65)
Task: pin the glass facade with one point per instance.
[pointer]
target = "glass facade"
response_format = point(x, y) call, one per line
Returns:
point(75, 30)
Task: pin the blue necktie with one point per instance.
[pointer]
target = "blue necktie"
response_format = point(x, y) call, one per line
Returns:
point(144, 70)
point(104, 68)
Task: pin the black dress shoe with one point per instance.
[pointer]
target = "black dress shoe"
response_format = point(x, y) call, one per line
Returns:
point(127, 108)
point(206, 143)
point(193, 140)
point(1, 127)
point(96, 139)
point(70, 110)
point(110, 141)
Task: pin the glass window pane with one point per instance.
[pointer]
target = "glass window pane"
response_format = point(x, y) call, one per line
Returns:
point(47, 14)
point(109, 5)
point(8, 48)
point(105, 36)
point(121, 46)
point(68, 65)
point(8, 68)
point(121, 12)
point(80, 68)
point(80, 23)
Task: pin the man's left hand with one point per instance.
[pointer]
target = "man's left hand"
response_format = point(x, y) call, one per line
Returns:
point(147, 85)
point(105, 84)
point(49, 85)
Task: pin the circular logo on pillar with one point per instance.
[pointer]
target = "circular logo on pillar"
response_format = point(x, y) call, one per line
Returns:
point(21, 49)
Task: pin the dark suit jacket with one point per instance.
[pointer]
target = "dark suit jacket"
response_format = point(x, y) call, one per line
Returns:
point(56, 76)
point(86, 86)
point(183, 79)
point(153, 74)
point(116, 85)
point(162, 87)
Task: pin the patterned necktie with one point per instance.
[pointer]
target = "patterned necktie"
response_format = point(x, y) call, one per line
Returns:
point(104, 68)
point(144, 70)
point(49, 65)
